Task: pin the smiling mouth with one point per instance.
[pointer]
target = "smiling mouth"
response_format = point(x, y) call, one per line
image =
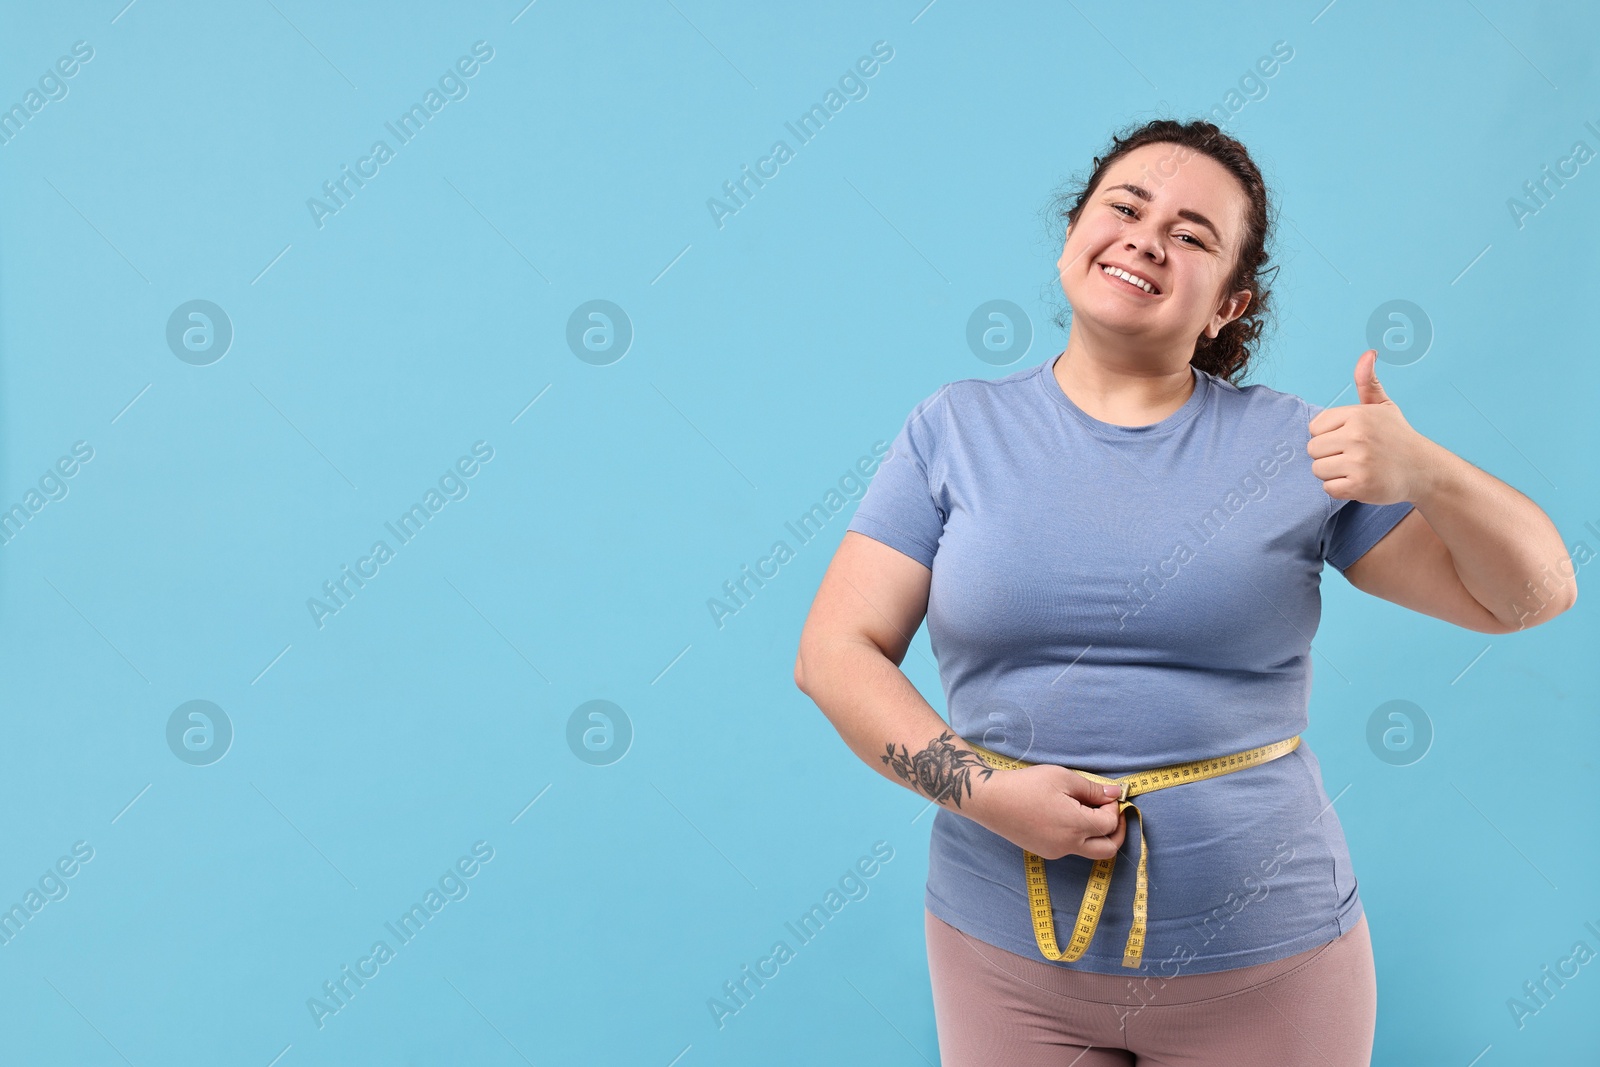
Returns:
point(1125, 280)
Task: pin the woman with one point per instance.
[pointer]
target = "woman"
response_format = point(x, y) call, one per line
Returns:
point(1118, 552)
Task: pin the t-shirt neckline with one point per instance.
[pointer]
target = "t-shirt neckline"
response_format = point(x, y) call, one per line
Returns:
point(1202, 387)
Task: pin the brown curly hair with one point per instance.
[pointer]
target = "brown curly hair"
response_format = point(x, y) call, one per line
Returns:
point(1228, 354)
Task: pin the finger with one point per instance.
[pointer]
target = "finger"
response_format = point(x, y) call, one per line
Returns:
point(1326, 444)
point(1099, 848)
point(1331, 418)
point(1104, 821)
point(1108, 844)
point(1087, 791)
point(1367, 386)
point(1339, 488)
point(1335, 466)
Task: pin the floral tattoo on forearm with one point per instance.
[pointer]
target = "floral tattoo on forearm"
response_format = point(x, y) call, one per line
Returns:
point(941, 770)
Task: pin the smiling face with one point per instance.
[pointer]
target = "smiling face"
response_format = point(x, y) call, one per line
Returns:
point(1175, 218)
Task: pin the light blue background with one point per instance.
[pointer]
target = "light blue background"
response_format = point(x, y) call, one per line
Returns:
point(429, 312)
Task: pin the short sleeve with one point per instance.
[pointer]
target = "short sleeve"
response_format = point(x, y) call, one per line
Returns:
point(903, 506)
point(1353, 526)
point(1356, 526)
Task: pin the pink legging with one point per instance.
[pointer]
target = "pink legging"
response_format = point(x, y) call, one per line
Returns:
point(992, 1007)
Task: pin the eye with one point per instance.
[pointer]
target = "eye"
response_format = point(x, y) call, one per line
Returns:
point(1134, 214)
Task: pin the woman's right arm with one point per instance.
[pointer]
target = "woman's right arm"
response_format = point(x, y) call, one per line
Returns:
point(870, 603)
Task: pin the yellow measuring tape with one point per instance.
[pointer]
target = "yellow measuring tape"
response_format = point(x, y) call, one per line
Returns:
point(1094, 894)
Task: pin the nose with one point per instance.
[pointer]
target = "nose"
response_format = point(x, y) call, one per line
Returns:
point(1147, 242)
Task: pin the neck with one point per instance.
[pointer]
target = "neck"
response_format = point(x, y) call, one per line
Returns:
point(1123, 387)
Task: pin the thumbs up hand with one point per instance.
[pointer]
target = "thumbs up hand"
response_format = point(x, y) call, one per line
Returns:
point(1367, 451)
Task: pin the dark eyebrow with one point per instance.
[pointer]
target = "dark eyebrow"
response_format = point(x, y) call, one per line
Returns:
point(1183, 212)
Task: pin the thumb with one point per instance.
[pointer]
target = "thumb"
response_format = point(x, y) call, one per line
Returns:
point(1088, 791)
point(1367, 386)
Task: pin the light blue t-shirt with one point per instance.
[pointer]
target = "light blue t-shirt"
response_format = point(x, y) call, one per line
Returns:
point(1114, 598)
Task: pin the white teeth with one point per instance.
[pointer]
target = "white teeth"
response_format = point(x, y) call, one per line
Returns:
point(1125, 276)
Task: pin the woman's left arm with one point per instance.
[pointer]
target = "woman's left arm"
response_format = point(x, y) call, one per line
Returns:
point(1474, 552)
